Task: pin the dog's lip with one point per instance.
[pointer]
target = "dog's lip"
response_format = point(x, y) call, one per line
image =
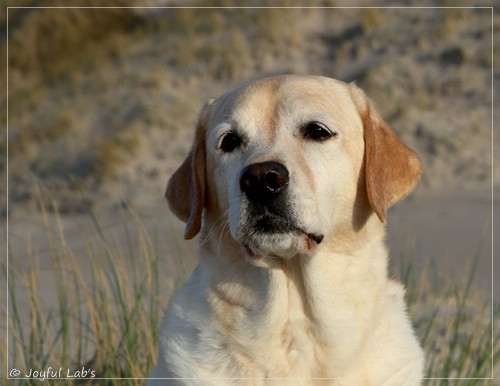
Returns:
point(267, 226)
point(311, 240)
point(272, 224)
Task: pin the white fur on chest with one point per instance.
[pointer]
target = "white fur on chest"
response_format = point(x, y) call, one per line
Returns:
point(298, 322)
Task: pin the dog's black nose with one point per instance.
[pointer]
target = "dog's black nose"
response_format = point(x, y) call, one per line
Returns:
point(263, 181)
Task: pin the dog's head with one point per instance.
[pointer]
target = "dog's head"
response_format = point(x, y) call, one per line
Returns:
point(288, 163)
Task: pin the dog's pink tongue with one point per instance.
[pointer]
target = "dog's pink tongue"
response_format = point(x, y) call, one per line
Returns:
point(316, 238)
point(312, 241)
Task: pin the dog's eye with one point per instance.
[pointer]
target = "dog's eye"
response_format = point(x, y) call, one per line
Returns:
point(230, 141)
point(317, 132)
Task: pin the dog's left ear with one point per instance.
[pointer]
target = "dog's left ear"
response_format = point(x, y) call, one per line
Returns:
point(392, 170)
point(186, 188)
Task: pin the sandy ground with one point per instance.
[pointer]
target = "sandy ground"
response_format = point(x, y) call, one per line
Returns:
point(446, 231)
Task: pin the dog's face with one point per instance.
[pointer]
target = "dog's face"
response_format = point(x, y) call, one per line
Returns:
point(289, 162)
point(284, 158)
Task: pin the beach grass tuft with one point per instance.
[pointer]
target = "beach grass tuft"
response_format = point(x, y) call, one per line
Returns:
point(104, 309)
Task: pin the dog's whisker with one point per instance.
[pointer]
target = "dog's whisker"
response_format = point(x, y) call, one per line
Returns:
point(220, 223)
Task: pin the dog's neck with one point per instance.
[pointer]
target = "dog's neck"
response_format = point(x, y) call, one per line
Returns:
point(321, 297)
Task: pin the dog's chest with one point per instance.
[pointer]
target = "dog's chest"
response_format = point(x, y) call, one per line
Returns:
point(267, 328)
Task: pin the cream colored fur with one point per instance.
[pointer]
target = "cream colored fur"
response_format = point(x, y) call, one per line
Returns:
point(290, 308)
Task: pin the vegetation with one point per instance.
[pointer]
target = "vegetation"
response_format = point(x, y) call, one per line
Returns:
point(107, 313)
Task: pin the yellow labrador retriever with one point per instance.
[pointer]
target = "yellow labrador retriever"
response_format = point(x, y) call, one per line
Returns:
point(288, 181)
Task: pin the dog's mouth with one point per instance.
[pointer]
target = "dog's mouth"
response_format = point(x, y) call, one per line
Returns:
point(276, 225)
point(278, 237)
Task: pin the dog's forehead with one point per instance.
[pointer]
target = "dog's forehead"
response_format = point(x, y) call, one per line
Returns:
point(262, 103)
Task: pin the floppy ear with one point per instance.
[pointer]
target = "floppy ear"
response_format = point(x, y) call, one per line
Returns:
point(392, 170)
point(186, 188)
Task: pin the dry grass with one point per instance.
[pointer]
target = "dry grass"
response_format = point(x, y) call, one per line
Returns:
point(44, 42)
point(458, 329)
point(48, 129)
point(115, 151)
point(107, 313)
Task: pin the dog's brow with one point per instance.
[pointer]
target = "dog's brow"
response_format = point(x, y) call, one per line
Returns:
point(228, 122)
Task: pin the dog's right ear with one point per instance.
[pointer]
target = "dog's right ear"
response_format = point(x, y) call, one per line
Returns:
point(186, 188)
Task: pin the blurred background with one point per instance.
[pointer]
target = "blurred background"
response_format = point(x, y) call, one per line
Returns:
point(102, 105)
point(102, 102)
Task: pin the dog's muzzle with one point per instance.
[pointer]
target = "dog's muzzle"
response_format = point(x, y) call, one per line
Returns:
point(265, 186)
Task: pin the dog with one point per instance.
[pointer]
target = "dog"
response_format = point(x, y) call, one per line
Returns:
point(288, 182)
